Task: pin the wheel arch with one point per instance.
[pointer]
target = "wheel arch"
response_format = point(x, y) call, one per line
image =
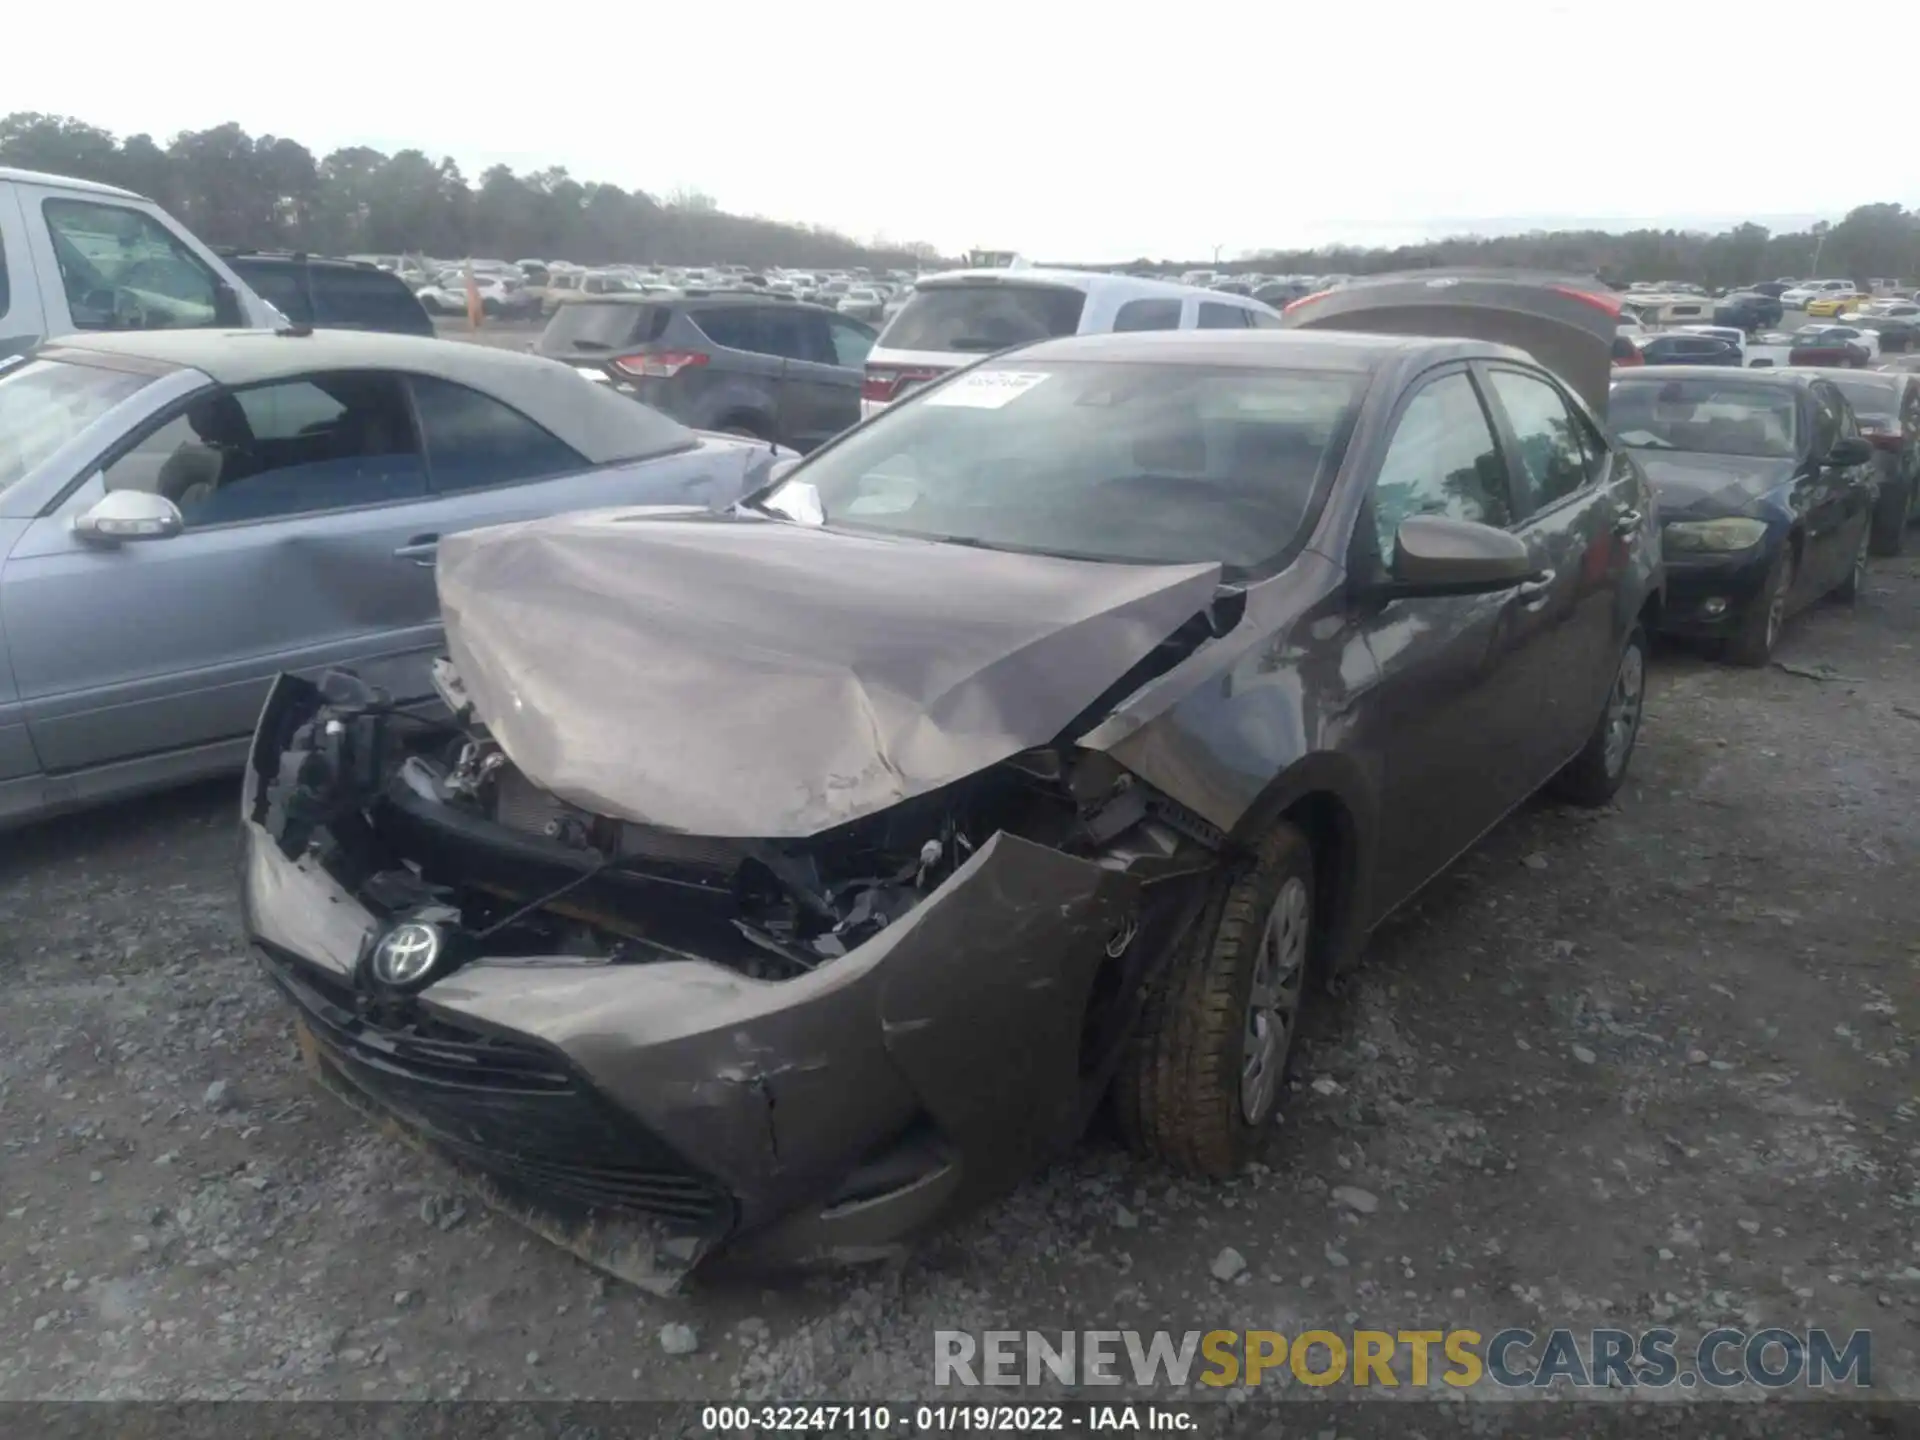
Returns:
point(1329, 800)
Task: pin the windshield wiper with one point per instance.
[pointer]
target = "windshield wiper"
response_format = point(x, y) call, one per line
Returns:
point(979, 344)
point(590, 345)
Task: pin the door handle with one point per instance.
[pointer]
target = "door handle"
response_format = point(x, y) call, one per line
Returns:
point(1535, 591)
point(421, 549)
point(1626, 522)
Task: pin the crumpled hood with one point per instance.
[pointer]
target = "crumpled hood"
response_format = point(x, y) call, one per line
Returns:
point(739, 677)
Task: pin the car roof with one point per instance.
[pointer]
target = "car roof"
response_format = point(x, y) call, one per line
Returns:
point(65, 182)
point(1352, 350)
point(297, 257)
point(1793, 378)
point(1091, 281)
point(601, 425)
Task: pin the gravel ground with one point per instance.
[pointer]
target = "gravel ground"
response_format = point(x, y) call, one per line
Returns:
point(1650, 1065)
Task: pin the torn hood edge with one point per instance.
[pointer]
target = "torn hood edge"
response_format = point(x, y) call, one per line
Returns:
point(695, 705)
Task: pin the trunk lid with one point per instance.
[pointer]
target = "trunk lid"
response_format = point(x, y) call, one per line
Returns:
point(1565, 323)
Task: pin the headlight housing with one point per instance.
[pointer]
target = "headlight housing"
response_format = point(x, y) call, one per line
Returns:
point(1714, 537)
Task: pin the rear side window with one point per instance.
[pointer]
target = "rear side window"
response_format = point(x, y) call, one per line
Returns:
point(757, 330)
point(1551, 455)
point(981, 318)
point(282, 286)
point(472, 440)
point(1147, 315)
point(604, 325)
point(365, 299)
point(124, 270)
point(1221, 317)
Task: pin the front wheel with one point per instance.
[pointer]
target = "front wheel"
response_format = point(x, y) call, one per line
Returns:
point(1592, 776)
point(1890, 517)
point(1854, 585)
point(1206, 1063)
point(1752, 644)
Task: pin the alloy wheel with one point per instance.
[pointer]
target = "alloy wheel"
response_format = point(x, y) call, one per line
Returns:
point(1273, 1003)
point(1777, 603)
point(1623, 708)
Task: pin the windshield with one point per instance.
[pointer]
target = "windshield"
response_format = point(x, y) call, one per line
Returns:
point(983, 317)
point(46, 403)
point(1144, 463)
point(1706, 417)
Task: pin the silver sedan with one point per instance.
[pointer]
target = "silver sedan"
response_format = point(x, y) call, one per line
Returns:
point(185, 514)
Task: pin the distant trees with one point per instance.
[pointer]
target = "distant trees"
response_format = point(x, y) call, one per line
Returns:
point(1879, 240)
point(232, 188)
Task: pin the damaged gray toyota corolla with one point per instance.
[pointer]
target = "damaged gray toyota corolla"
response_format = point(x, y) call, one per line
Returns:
point(787, 880)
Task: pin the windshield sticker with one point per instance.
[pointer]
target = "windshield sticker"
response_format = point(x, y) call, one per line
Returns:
point(987, 389)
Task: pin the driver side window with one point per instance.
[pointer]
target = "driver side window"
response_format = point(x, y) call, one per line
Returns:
point(1442, 460)
point(327, 442)
point(124, 270)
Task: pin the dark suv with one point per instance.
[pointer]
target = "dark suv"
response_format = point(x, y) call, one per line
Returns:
point(331, 294)
point(750, 364)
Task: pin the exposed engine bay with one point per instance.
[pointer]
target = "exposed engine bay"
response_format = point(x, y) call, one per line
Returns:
point(430, 819)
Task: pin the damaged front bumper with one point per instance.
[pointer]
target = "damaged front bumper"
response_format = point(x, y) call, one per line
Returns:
point(646, 1114)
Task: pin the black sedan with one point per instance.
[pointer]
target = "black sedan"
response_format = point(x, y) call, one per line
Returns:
point(1748, 310)
point(1766, 491)
point(793, 876)
point(1887, 407)
point(1678, 348)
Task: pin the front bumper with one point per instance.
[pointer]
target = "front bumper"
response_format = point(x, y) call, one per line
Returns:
point(1710, 596)
point(643, 1115)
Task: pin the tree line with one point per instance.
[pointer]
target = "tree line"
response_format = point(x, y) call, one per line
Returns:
point(269, 192)
point(1872, 241)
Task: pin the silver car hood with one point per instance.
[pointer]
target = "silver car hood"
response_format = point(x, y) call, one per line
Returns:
point(741, 677)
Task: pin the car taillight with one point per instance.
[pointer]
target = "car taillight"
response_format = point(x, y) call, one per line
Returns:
point(884, 383)
point(1293, 305)
point(1605, 303)
point(661, 364)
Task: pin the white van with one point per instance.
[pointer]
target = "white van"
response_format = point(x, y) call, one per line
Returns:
point(79, 256)
point(953, 319)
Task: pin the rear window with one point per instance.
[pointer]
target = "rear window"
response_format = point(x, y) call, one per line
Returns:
point(281, 286)
point(46, 403)
point(982, 318)
point(604, 325)
point(1869, 397)
point(365, 299)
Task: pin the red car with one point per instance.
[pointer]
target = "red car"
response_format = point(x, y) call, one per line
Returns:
point(1828, 345)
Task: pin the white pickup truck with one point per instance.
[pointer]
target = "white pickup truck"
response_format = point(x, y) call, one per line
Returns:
point(79, 256)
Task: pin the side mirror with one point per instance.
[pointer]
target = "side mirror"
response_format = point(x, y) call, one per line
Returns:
point(1849, 450)
point(1433, 555)
point(129, 515)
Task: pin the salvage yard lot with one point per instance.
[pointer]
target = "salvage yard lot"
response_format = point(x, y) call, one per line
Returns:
point(1652, 1065)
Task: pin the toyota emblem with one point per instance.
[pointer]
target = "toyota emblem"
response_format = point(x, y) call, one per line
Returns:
point(407, 954)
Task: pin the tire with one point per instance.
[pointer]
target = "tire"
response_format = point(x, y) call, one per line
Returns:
point(1187, 1092)
point(1593, 776)
point(1890, 518)
point(1752, 644)
point(1850, 589)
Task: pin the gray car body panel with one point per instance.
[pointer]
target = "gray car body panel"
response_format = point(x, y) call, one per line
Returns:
point(870, 668)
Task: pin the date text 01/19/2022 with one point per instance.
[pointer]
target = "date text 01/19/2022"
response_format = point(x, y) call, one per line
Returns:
point(951, 1417)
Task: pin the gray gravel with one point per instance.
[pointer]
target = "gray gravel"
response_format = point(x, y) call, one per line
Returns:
point(1666, 1074)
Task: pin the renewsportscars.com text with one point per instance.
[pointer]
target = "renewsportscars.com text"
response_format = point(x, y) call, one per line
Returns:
point(1719, 1359)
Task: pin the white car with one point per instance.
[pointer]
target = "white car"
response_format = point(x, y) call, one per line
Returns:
point(953, 319)
point(1798, 297)
point(448, 294)
point(1882, 310)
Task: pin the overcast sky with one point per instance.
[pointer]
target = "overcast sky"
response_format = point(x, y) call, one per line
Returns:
point(1061, 130)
